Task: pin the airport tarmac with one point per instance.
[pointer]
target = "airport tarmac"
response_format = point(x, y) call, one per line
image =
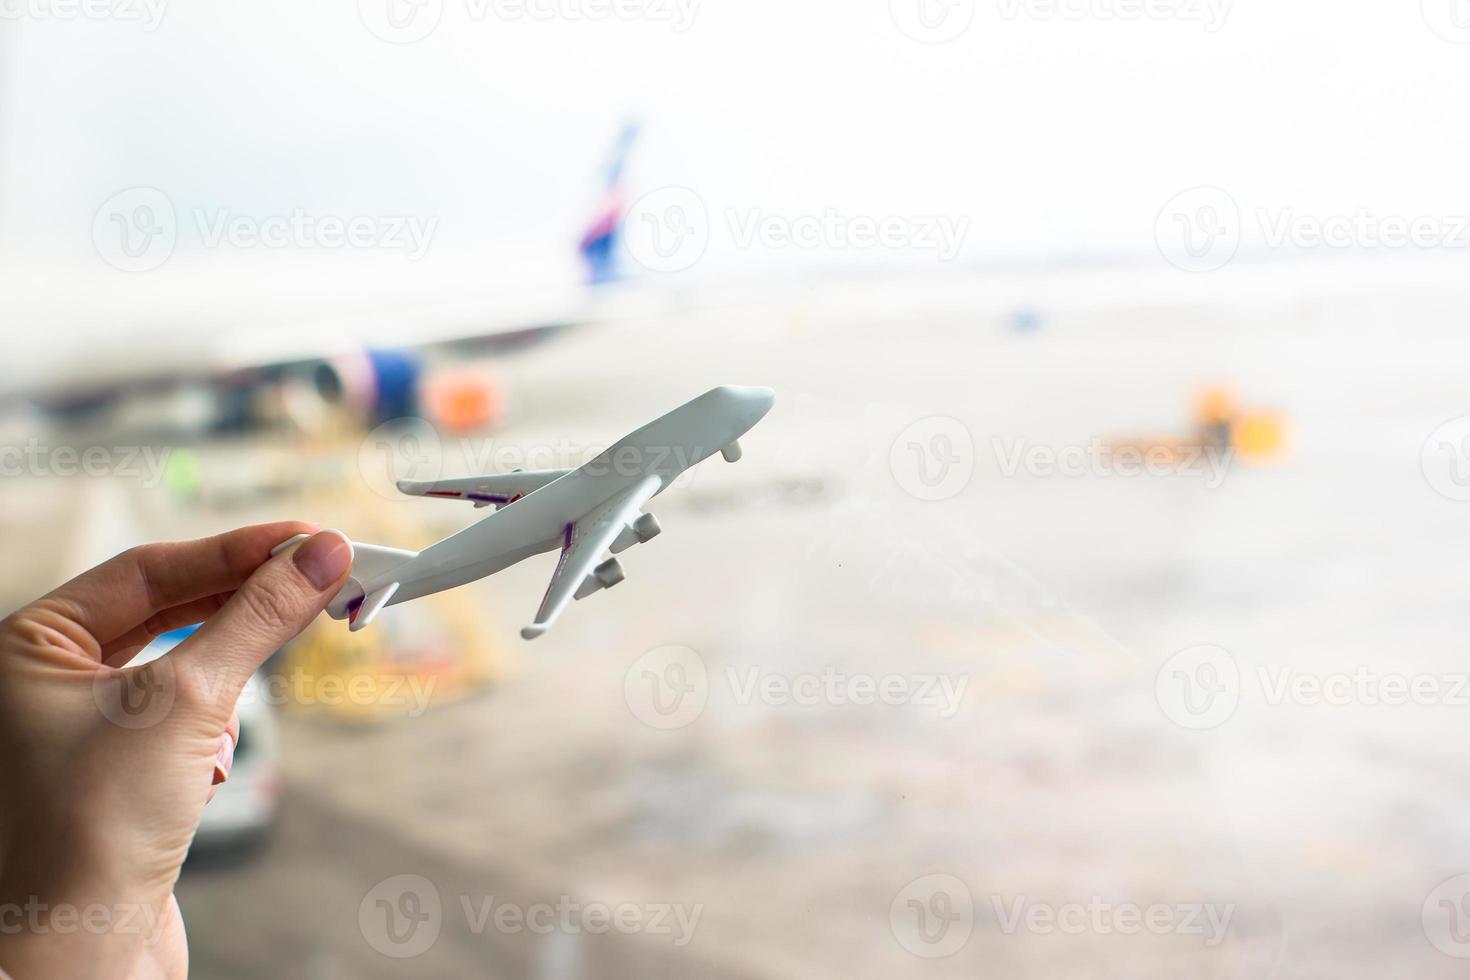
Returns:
point(884, 699)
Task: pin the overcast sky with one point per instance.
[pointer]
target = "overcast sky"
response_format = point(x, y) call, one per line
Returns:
point(1048, 126)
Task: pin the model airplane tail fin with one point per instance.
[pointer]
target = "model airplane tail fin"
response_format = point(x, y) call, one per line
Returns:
point(361, 612)
point(371, 584)
point(372, 565)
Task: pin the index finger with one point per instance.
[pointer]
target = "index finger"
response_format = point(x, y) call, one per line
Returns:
point(117, 595)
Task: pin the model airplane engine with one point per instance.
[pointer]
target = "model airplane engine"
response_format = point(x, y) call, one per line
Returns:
point(647, 527)
point(604, 576)
point(609, 573)
point(641, 531)
point(732, 452)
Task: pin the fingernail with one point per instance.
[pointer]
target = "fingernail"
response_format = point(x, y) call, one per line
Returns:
point(323, 558)
point(224, 758)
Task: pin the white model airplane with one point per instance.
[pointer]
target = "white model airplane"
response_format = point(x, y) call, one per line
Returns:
point(585, 512)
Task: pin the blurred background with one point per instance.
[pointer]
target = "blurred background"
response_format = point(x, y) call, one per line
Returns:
point(1090, 605)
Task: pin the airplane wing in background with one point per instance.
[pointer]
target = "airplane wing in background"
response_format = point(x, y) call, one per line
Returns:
point(581, 571)
point(500, 490)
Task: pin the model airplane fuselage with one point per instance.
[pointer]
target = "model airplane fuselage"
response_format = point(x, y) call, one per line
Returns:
point(583, 512)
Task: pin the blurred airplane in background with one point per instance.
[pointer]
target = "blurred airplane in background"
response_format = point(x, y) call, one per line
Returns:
point(599, 246)
point(221, 349)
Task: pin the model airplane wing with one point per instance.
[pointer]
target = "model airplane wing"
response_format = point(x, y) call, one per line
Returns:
point(581, 571)
point(499, 490)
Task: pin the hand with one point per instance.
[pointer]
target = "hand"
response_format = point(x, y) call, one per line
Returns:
point(105, 769)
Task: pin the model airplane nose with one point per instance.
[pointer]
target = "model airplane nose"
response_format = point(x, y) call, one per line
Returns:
point(753, 402)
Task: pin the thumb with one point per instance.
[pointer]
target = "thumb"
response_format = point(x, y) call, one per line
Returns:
point(278, 601)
